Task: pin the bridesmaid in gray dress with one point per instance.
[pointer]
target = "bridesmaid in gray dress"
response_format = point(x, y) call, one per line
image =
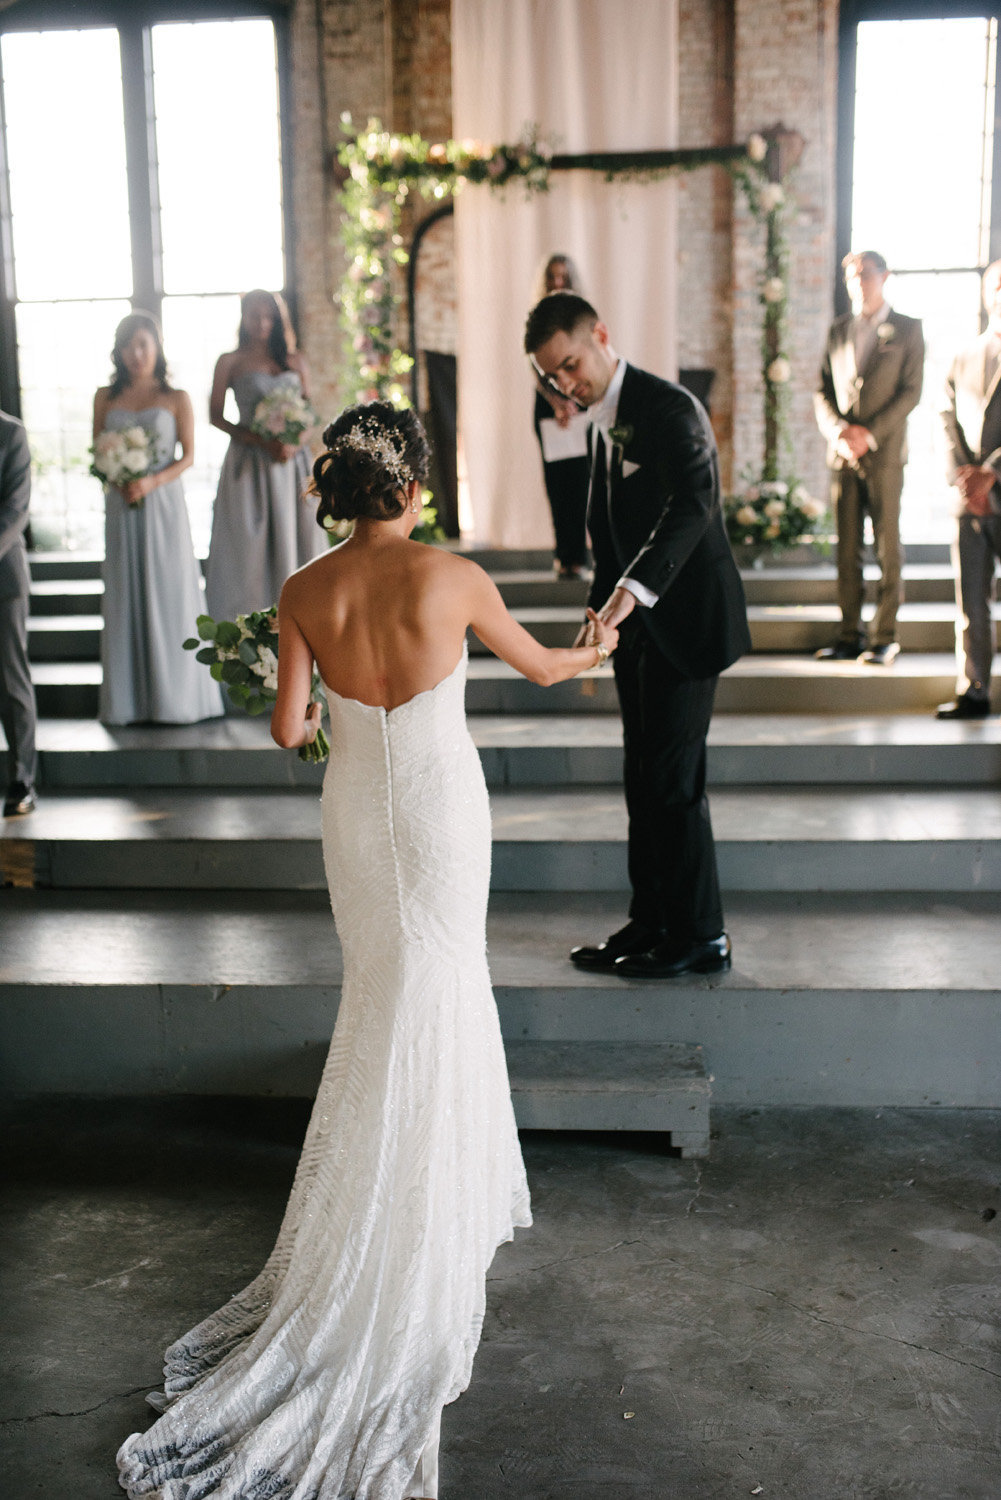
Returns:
point(262, 527)
point(152, 581)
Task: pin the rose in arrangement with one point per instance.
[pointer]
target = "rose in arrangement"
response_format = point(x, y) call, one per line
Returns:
point(772, 512)
point(242, 654)
point(121, 456)
point(283, 414)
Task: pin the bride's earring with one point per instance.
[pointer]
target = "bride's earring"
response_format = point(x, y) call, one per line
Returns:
point(414, 505)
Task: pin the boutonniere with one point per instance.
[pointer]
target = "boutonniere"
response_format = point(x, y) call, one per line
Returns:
point(621, 435)
point(886, 332)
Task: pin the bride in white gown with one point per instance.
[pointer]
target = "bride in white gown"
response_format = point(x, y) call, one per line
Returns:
point(325, 1378)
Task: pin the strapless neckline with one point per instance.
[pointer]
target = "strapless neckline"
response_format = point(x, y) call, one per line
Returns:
point(377, 708)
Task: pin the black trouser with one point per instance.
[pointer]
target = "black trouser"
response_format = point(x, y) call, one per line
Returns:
point(567, 482)
point(672, 857)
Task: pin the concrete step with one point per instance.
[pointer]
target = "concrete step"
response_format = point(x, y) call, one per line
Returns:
point(816, 584)
point(70, 596)
point(755, 685)
point(797, 838)
point(541, 750)
point(612, 1086)
point(65, 565)
point(774, 628)
point(807, 627)
point(70, 638)
point(838, 999)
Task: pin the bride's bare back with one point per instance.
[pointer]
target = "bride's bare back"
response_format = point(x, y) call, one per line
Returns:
point(384, 618)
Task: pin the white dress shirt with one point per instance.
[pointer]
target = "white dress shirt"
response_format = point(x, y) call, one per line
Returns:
point(603, 414)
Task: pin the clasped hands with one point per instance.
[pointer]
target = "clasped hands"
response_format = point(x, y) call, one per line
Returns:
point(974, 485)
point(852, 444)
point(602, 626)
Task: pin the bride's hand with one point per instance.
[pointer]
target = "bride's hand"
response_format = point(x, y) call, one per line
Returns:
point(313, 716)
point(599, 632)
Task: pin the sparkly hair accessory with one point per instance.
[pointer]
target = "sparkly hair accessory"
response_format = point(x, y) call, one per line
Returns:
point(367, 436)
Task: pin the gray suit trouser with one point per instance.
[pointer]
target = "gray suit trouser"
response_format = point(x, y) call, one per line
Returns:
point(17, 696)
point(975, 549)
point(852, 494)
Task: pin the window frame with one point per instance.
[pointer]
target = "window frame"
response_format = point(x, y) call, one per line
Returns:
point(853, 12)
point(134, 20)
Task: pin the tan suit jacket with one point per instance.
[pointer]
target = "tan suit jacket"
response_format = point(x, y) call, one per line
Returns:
point(881, 397)
point(968, 397)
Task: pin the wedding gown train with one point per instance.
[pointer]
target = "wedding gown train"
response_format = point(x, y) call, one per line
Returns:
point(324, 1379)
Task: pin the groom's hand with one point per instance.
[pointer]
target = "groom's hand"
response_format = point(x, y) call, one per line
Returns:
point(616, 607)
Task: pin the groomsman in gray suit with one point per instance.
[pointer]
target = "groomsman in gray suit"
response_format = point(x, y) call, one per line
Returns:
point(17, 696)
point(972, 419)
point(870, 381)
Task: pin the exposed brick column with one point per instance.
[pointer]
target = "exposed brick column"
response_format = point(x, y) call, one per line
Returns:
point(785, 69)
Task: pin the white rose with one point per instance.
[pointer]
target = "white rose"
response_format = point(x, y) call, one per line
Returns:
point(774, 289)
point(811, 508)
point(747, 516)
point(773, 530)
point(757, 147)
point(775, 487)
point(885, 332)
point(775, 508)
point(266, 665)
point(771, 197)
point(778, 371)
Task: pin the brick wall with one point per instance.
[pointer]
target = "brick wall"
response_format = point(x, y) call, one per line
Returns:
point(743, 65)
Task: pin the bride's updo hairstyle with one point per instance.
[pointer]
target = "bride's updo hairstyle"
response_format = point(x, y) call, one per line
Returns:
point(372, 453)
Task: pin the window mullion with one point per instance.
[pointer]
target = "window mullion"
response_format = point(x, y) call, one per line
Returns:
point(141, 165)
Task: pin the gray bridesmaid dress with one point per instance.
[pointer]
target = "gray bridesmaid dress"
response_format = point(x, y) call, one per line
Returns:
point(152, 597)
point(262, 527)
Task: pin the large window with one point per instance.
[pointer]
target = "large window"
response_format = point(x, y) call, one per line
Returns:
point(143, 167)
point(920, 191)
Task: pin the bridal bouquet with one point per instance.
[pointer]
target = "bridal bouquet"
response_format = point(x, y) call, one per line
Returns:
point(284, 414)
point(242, 654)
point(120, 457)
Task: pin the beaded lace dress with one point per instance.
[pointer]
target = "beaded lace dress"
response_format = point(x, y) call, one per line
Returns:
point(325, 1378)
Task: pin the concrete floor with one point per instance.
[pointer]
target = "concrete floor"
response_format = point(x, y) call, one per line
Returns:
point(812, 1313)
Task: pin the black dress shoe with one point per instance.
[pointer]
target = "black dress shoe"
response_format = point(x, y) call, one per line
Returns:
point(669, 960)
point(964, 707)
point(840, 651)
point(635, 937)
point(881, 656)
point(20, 799)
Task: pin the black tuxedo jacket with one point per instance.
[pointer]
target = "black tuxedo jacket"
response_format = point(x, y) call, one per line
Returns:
point(661, 523)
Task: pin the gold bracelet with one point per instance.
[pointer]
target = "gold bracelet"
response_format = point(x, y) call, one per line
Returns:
point(603, 653)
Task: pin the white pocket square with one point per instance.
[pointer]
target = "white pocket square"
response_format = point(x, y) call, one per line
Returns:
point(628, 467)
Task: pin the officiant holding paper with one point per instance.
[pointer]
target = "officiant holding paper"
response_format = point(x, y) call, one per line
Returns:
point(561, 428)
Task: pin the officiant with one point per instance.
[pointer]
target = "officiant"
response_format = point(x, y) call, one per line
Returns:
point(665, 575)
point(560, 427)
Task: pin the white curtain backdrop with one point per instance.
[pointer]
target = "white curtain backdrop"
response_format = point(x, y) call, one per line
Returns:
point(591, 75)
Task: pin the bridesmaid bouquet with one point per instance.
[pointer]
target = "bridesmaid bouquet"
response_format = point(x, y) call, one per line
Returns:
point(121, 456)
point(242, 654)
point(284, 414)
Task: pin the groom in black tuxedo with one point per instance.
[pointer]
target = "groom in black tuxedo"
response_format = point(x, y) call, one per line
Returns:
point(665, 575)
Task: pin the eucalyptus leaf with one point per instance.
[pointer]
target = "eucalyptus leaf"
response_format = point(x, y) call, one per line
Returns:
point(206, 627)
point(215, 671)
point(227, 634)
point(207, 655)
point(247, 652)
point(192, 643)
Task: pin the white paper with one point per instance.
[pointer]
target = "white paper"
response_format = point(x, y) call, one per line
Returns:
point(564, 442)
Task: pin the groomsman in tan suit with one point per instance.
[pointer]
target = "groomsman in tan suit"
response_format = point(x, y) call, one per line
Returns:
point(972, 419)
point(870, 381)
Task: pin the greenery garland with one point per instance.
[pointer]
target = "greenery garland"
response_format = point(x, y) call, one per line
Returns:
point(380, 170)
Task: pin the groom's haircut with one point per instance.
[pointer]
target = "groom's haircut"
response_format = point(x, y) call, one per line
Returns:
point(560, 312)
point(873, 257)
